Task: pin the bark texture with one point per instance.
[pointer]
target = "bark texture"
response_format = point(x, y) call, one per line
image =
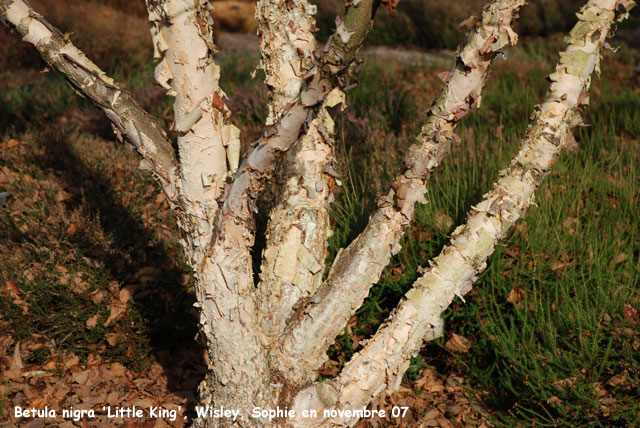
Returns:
point(208, 142)
point(284, 26)
point(209, 147)
point(298, 229)
point(266, 343)
point(293, 261)
point(385, 357)
point(360, 265)
point(260, 162)
point(299, 226)
point(287, 45)
point(130, 121)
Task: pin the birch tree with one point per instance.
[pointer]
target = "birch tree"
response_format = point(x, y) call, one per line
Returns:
point(267, 339)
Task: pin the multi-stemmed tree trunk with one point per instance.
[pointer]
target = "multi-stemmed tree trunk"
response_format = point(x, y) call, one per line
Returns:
point(267, 340)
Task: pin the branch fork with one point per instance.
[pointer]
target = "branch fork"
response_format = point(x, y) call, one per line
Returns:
point(266, 341)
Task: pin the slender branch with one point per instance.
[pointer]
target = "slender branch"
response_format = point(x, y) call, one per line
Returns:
point(385, 357)
point(351, 32)
point(360, 265)
point(130, 121)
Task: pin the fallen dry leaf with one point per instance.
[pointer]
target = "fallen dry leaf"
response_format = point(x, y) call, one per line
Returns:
point(554, 400)
point(621, 257)
point(98, 296)
point(80, 377)
point(118, 309)
point(71, 361)
point(72, 229)
point(457, 343)
point(112, 338)
point(619, 379)
point(118, 369)
point(78, 284)
point(127, 292)
point(515, 295)
point(432, 414)
point(16, 360)
point(444, 222)
point(11, 288)
point(50, 364)
point(559, 265)
point(148, 274)
point(561, 384)
point(92, 322)
point(630, 313)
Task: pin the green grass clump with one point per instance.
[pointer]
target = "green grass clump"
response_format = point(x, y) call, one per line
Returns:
point(551, 320)
point(554, 339)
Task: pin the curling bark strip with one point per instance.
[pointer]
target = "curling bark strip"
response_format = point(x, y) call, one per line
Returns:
point(318, 90)
point(208, 142)
point(360, 265)
point(130, 121)
point(260, 161)
point(287, 45)
point(298, 227)
point(229, 308)
point(209, 147)
point(382, 362)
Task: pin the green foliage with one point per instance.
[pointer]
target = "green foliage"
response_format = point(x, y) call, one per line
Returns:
point(547, 319)
point(35, 103)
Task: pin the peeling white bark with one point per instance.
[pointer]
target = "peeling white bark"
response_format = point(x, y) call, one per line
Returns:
point(299, 226)
point(251, 363)
point(260, 162)
point(360, 265)
point(207, 141)
point(287, 45)
point(318, 87)
point(209, 149)
point(382, 362)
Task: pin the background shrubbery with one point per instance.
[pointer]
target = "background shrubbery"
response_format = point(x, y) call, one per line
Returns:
point(553, 324)
point(433, 24)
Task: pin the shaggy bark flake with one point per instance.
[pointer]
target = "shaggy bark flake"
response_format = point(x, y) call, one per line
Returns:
point(258, 166)
point(208, 142)
point(293, 260)
point(287, 45)
point(299, 225)
point(319, 86)
point(382, 362)
point(129, 120)
point(360, 265)
point(209, 148)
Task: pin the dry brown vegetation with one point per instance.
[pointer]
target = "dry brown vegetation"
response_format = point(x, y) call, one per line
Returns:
point(87, 241)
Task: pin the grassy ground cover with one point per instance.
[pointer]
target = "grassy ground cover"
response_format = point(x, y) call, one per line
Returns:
point(90, 263)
